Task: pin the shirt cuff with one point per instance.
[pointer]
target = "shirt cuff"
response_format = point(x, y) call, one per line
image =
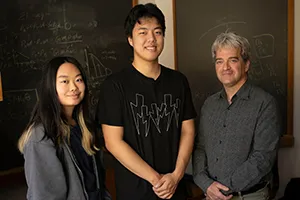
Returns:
point(203, 181)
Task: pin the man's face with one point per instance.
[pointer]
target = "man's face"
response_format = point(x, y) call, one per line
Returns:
point(230, 67)
point(147, 40)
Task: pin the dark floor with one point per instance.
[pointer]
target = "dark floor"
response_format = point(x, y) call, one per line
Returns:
point(13, 187)
point(16, 192)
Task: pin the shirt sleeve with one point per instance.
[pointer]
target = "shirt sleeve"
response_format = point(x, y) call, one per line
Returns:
point(199, 161)
point(44, 172)
point(263, 155)
point(189, 109)
point(109, 109)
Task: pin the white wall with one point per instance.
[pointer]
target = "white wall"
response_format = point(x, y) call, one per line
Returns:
point(289, 158)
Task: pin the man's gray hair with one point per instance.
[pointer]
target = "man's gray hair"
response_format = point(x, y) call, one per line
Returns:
point(230, 39)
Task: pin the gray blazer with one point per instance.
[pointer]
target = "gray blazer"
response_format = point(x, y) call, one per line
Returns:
point(50, 177)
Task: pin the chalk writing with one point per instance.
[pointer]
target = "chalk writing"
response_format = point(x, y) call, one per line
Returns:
point(42, 54)
point(108, 55)
point(94, 98)
point(256, 70)
point(279, 89)
point(29, 43)
point(18, 104)
point(220, 25)
point(18, 98)
point(66, 50)
point(13, 58)
point(93, 24)
point(67, 25)
point(21, 59)
point(40, 16)
point(270, 68)
point(23, 16)
point(68, 39)
point(95, 68)
point(50, 25)
point(264, 45)
point(36, 16)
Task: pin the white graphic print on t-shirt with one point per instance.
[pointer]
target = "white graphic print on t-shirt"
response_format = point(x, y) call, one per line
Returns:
point(143, 116)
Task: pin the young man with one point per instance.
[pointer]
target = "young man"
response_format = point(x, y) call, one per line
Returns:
point(239, 129)
point(146, 113)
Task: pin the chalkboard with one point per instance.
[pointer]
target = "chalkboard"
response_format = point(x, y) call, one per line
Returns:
point(34, 31)
point(266, 24)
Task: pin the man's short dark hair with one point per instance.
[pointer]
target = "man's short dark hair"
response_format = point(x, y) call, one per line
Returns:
point(140, 11)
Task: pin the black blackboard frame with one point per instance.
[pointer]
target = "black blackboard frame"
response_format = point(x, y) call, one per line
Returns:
point(287, 140)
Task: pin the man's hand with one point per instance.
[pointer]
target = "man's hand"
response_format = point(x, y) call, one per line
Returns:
point(166, 186)
point(213, 192)
point(155, 179)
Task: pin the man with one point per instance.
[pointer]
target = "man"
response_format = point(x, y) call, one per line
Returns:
point(146, 113)
point(239, 129)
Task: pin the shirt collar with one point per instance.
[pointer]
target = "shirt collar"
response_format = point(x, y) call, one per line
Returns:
point(143, 77)
point(243, 93)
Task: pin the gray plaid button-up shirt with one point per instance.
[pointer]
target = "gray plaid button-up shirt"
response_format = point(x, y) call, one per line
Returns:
point(237, 143)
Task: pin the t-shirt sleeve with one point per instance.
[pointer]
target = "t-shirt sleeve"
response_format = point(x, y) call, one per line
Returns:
point(189, 109)
point(109, 108)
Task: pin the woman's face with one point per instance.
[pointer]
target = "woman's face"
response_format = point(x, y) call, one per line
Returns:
point(70, 86)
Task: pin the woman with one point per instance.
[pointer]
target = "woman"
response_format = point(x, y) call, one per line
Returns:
point(59, 143)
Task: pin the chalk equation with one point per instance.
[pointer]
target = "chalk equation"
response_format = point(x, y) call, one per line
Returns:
point(37, 16)
point(260, 70)
point(17, 104)
point(264, 45)
point(108, 55)
point(278, 88)
point(50, 25)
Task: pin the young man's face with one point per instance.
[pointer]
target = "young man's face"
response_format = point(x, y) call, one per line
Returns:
point(147, 40)
point(230, 67)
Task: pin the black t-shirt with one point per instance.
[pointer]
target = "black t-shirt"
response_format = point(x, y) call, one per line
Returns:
point(85, 163)
point(151, 113)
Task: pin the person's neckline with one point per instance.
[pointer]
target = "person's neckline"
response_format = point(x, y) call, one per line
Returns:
point(144, 77)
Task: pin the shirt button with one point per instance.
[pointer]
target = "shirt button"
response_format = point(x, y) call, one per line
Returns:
point(216, 177)
point(220, 141)
point(217, 159)
point(224, 125)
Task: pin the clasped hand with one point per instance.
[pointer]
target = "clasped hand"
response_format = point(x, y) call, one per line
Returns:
point(166, 186)
point(213, 192)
